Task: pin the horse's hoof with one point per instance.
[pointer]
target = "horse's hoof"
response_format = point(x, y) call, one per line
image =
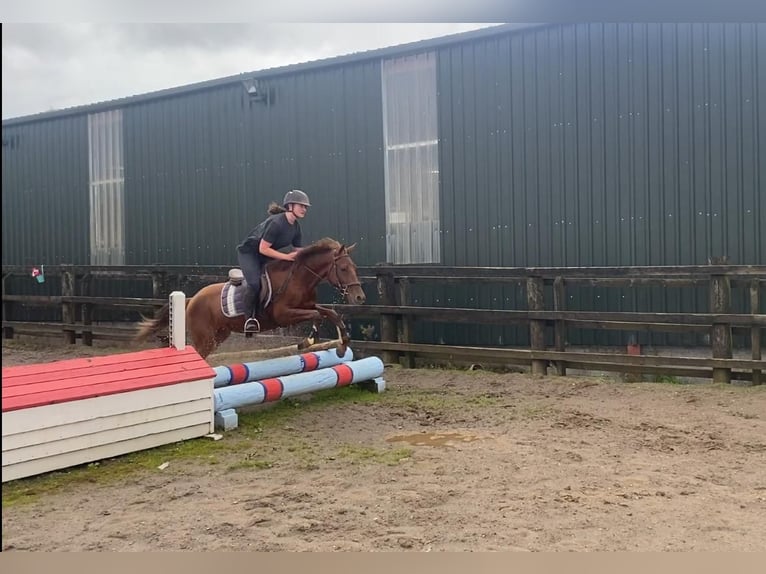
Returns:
point(340, 350)
point(305, 344)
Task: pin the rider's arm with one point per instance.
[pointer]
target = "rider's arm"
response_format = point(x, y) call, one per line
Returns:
point(265, 249)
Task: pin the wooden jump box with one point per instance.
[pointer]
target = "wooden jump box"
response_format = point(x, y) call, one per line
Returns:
point(65, 413)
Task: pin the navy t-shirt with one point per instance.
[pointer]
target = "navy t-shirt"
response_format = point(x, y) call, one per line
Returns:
point(275, 230)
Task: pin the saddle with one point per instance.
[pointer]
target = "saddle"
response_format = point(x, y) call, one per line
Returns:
point(233, 293)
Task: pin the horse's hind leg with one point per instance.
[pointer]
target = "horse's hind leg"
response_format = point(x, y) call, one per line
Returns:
point(204, 344)
point(201, 331)
point(208, 342)
point(221, 335)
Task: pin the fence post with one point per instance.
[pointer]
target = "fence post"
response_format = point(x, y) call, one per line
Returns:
point(405, 324)
point(720, 336)
point(159, 284)
point(67, 308)
point(387, 296)
point(755, 332)
point(87, 309)
point(7, 331)
point(560, 332)
point(536, 326)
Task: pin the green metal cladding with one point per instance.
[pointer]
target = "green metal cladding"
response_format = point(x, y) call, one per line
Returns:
point(605, 144)
point(561, 145)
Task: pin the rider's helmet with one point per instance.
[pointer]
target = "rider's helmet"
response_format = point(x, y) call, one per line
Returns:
point(296, 196)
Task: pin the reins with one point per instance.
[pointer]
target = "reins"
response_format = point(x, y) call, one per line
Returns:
point(342, 287)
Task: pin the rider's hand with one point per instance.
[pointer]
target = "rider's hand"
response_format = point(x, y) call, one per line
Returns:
point(291, 256)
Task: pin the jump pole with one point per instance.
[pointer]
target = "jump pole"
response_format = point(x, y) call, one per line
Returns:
point(273, 352)
point(239, 373)
point(229, 398)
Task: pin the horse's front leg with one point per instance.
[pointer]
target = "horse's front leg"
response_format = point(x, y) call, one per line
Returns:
point(330, 314)
point(293, 316)
point(313, 337)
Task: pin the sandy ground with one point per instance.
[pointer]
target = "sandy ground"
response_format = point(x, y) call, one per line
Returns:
point(444, 460)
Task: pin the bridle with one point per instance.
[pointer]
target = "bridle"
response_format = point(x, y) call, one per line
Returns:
point(339, 285)
point(343, 287)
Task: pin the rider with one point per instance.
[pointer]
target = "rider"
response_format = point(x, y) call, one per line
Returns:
point(281, 229)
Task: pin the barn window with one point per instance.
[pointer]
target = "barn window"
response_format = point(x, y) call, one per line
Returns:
point(412, 159)
point(107, 183)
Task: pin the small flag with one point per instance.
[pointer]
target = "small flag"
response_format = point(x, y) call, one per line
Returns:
point(39, 274)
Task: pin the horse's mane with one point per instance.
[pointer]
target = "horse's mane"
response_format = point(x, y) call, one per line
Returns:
point(321, 246)
point(318, 247)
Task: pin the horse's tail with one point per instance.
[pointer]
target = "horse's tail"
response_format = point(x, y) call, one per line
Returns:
point(149, 327)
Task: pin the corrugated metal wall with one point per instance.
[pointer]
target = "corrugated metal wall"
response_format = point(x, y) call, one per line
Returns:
point(605, 144)
point(45, 192)
point(601, 144)
point(201, 168)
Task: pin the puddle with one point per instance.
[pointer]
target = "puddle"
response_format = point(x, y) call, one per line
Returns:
point(434, 439)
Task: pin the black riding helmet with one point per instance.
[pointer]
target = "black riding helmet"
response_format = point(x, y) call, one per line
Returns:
point(296, 196)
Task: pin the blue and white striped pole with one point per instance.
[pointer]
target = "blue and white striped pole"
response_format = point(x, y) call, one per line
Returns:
point(240, 373)
point(274, 389)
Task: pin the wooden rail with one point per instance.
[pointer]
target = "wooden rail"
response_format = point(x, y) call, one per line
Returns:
point(397, 316)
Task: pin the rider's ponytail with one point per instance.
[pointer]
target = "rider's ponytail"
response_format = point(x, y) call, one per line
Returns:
point(275, 208)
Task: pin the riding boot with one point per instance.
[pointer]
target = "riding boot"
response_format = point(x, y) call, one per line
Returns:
point(251, 310)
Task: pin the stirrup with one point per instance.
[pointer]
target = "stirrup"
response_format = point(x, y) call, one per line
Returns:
point(252, 325)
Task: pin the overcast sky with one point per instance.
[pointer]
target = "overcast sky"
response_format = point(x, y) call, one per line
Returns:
point(55, 66)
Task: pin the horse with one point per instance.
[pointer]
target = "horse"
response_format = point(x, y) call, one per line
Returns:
point(288, 297)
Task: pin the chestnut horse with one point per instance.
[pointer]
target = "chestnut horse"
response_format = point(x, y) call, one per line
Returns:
point(293, 299)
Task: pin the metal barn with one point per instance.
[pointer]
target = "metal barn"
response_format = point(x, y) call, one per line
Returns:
point(555, 145)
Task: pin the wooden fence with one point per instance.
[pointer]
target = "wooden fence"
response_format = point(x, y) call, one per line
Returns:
point(397, 315)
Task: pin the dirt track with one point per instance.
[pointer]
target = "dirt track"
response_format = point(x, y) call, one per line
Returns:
point(444, 460)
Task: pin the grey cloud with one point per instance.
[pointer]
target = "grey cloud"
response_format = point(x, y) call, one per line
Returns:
point(54, 66)
point(261, 10)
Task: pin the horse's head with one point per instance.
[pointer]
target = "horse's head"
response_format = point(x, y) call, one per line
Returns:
point(343, 276)
point(331, 261)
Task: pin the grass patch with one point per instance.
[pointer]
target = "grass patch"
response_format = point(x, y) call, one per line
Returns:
point(484, 401)
point(437, 400)
point(250, 465)
point(535, 411)
point(256, 420)
point(363, 454)
point(306, 458)
point(108, 471)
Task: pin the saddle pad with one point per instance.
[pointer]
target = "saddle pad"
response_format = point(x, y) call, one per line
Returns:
point(233, 299)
